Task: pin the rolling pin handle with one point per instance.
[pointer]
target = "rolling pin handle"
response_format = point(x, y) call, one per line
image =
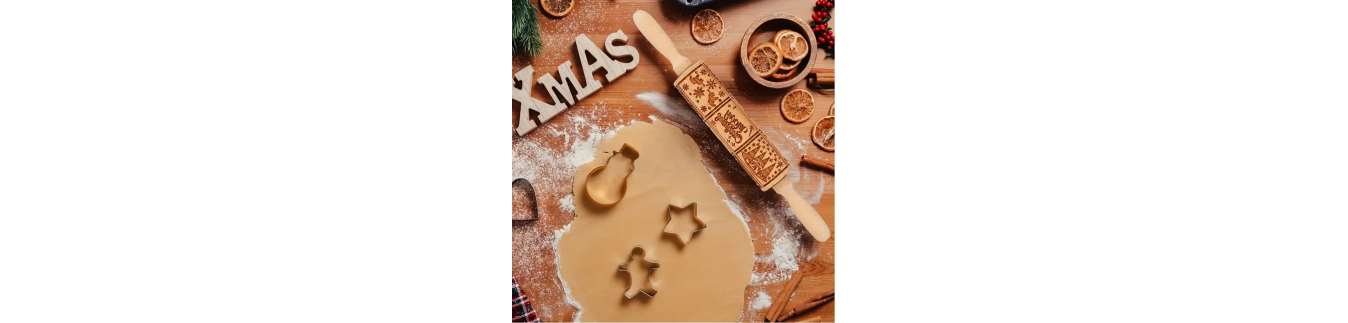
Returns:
point(656, 36)
point(804, 212)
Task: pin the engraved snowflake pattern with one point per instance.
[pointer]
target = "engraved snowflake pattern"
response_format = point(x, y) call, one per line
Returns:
point(699, 93)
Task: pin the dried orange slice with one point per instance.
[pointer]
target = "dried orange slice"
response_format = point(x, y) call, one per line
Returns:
point(557, 8)
point(793, 46)
point(830, 107)
point(797, 105)
point(823, 133)
point(782, 75)
point(708, 26)
point(764, 59)
point(788, 65)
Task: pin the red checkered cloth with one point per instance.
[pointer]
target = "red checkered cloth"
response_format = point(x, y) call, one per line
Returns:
point(522, 310)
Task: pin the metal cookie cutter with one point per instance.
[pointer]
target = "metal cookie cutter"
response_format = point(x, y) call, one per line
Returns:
point(669, 225)
point(528, 189)
point(639, 261)
point(608, 196)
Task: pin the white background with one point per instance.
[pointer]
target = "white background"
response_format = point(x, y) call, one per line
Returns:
point(1046, 161)
point(252, 161)
point(1092, 161)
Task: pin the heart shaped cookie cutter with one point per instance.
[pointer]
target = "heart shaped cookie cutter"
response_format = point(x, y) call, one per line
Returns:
point(528, 189)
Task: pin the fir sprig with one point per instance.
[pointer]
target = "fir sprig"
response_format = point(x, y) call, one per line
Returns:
point(524, 32)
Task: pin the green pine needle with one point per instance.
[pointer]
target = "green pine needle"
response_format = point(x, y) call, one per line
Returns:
point(524, 32)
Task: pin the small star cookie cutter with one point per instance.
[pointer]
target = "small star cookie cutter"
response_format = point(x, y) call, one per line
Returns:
point(639, 254)
point(598, 194)
point(669, 221)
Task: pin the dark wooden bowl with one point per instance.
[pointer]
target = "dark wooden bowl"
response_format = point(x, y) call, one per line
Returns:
point(762, 31)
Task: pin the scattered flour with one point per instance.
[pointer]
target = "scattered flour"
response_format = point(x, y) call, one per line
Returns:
point(583, 150)
point(785, 249)
point(558, 262)
point(735, 208)
point(792, 148)
point(560, 34)
point(566, 203)
point(676, 108)
point(761, 302)
point(528, 243)
point(818, 194)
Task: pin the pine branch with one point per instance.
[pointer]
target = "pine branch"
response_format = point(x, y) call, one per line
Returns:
point(525, 33)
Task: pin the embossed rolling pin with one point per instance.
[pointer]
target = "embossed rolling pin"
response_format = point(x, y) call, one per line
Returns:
point(732, 126)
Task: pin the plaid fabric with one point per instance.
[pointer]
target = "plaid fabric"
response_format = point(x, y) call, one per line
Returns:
point(522, 310)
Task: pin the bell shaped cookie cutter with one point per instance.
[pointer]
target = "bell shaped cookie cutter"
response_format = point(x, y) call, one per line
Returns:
point(608, 197)
point(639, 255)
point(669, 223)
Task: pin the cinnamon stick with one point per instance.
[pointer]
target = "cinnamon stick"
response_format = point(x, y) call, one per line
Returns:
point(810, 304)
point(822, 77)
point(817, 163)
point(815, 318)
point(784, 296)
point(824, 83)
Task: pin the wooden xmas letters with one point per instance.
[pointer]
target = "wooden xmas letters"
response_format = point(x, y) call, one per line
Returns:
point(561, 90)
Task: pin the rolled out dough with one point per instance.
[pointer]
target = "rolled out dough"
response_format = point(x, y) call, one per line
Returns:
point(702, 281)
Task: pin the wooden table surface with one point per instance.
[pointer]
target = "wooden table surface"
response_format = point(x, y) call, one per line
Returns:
point(617, 104)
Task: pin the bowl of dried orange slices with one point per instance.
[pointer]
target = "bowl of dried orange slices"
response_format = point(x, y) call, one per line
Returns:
point(778, 50)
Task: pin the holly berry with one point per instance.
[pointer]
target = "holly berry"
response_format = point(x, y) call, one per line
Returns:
point(820, 25)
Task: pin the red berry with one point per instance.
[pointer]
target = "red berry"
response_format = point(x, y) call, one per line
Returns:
point(830, 43)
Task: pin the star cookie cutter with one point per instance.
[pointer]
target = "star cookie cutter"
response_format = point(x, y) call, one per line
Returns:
point(608, 197)
point(639, 255)
point(669, 222)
